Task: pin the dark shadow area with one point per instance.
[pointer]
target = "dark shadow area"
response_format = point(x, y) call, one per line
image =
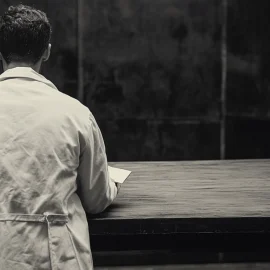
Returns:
point(248, 138)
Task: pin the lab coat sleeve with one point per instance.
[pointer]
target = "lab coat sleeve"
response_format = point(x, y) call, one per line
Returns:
point(95, 187)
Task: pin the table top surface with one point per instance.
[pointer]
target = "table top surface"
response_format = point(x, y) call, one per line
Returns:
point(193, 189)
point(191, 192)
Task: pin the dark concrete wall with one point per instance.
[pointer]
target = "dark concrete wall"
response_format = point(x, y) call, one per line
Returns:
point(153, 69)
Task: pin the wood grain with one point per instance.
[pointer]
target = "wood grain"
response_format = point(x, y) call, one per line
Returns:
point(193, 189)
point(188, 206)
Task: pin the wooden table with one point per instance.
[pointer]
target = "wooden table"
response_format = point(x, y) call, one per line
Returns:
point(186, 212)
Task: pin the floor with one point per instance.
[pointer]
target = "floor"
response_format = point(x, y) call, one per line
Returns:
point(226, 266)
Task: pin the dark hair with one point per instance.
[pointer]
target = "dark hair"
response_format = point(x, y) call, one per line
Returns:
point(25, 34)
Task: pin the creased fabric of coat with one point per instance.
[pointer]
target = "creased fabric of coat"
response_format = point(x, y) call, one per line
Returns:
point(53, 168)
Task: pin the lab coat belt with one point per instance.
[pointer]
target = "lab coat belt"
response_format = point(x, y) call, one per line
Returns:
point(46, 217)
point(53, 221)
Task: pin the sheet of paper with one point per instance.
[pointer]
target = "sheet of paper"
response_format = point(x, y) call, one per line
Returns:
point(118, 175)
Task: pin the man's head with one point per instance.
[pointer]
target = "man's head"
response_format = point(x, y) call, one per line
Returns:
point(25, 35)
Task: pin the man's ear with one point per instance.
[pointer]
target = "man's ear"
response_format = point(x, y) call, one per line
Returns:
point(3, 63)
point(47, 53)
point(2, 59)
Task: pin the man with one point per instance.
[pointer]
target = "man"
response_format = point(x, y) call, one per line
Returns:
point(53, 164)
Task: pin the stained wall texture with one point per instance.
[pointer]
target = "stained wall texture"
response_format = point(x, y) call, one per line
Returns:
point(153, 77)
point(248, 88)
point(152, 74)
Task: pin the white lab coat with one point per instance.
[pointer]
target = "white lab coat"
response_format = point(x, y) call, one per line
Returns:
point(51, 150)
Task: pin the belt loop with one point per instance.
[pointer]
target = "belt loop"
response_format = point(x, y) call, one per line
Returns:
point(52, 255)
point(46, 217)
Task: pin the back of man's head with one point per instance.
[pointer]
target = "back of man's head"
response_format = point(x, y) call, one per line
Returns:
point(25, 34)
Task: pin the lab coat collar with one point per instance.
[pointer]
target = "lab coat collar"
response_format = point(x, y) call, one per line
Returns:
point(25, 72)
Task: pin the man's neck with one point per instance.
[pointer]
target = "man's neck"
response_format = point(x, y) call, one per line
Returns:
point(35, 67)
